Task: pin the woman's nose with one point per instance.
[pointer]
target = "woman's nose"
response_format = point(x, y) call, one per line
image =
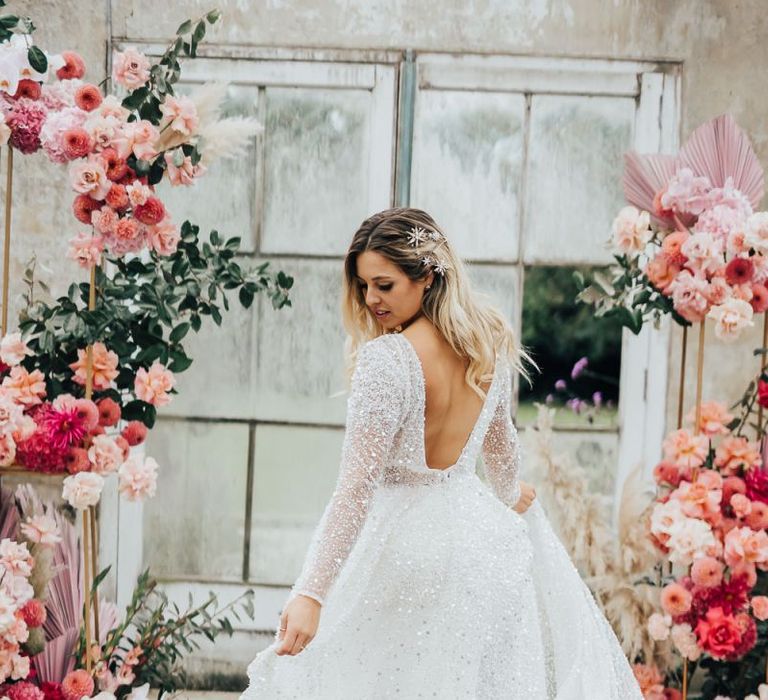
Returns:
point(371, 298)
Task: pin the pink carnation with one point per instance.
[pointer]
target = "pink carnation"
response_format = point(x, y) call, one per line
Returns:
point(153, 386)
point(77, 684)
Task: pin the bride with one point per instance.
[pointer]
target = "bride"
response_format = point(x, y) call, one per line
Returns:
point(421, 581)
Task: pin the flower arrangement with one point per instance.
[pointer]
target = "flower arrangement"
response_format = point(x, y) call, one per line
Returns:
point(81, 381)
point(690, 243)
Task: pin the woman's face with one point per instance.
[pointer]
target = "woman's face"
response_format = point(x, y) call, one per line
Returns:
point(390, 295)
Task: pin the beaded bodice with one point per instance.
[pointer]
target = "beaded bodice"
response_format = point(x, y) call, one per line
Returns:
point(384, 444)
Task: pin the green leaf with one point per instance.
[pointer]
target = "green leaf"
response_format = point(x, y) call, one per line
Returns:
point(213, 16)
point(199, 32)
point(179, 332)
point(184, 27)
point(246, 297)
point(8, 21)
point(37, 59)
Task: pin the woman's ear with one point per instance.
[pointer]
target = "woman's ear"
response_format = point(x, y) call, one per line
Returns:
point(429, 279)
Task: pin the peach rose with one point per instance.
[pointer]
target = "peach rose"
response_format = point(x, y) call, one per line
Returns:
point(686, 450)
point(742, 544)
point(154, 384)
point(104, 366)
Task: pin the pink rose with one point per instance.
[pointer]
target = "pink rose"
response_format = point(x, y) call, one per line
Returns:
point(86, 249)
point(104, 220)
point(153, 386)
point(180, 114)
point(89, 177)
point(105, 455)
point(13, 349)
point(731, 317)
point(184, 173)
point(131, 69)
point(744, 545)
point(689, 296)
point(163, 238)
point(760, 607)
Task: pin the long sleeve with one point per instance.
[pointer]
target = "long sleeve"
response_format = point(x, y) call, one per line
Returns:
point(375, 408)
point(501, 446)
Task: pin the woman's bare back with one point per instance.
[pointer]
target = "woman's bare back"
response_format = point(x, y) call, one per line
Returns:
point(452, 406)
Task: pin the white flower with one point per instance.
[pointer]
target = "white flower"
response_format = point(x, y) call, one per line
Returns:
point(140, 693)
point(659, 626)
point(684, 640)
point(632, 230)
point(704, 251)
point(13, 349)
point(138, 480)
point(41, 529)
point(665, 516)
point(690, 539)
point(757, 232)
point(731, 317)
point(83, 489)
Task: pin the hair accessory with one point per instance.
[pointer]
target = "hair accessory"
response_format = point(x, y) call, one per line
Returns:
point(418, 235)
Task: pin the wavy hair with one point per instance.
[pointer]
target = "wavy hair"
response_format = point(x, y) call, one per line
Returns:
point(465, 317)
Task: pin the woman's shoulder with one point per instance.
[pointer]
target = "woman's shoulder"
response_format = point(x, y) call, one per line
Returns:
point(382, 352)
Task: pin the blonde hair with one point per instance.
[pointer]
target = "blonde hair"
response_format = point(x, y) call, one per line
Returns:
point(473, 327)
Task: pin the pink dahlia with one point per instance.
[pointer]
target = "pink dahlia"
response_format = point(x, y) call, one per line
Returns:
point(77, 143)
point(25, 119)
point(65, 427)
point(77, 684)
point(739, 271)
point(88, 97)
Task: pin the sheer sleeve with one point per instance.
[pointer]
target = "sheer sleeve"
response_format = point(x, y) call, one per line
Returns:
point(501, 447)
point(375, 408)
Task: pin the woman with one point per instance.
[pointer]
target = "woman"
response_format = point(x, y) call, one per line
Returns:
point(421, 581)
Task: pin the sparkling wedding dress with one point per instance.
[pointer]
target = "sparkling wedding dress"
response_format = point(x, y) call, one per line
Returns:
point(431, 585)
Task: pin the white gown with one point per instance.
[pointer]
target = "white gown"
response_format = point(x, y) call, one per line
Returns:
point(431, 585)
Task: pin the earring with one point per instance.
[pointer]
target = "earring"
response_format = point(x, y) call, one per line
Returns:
point(426, 289)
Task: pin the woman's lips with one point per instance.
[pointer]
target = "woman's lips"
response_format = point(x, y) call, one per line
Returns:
point(381, 314)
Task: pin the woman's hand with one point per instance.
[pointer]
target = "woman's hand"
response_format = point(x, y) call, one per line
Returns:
point(298, 625)
point(527, 494)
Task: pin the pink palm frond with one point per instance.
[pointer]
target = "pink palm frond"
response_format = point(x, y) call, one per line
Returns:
point(645, 175)
point(57, 659)
point(9, 515)
point(720, 149)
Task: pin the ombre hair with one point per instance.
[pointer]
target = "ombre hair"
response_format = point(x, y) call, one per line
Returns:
point(466, 318)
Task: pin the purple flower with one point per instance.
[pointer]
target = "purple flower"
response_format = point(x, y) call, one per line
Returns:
point(579, 367)
point(560, 385)
point(573, 404)
point(550, 399)
point(597, 398)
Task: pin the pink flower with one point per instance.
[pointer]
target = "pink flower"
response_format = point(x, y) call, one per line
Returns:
point(163, 238)
point(760, 607)
point(717, 633)
point(138, 193)
point(117, 198)
point(83, 489)
point(735, 454)
point(15, 558)
point(713, 419)
point(104, 366)
point(757, 518)
point(56, 126)
point(88, 97)
point(7, 450)
point(685, 641)
point(74, 66)
point(76, 143)
point(672, 245)
point(152, 212)
point(153, 386)
point(104, 220)
point(675, 599)
point(756, 235)
point(115, 165)
point(707, 572)
point(720, 222)
point(698, 499)
point(180, 114)
point(704, 252)
point(86, 249)
point(76, 460)
point(128, 237)
point(26, 388)
point(13, 349)
point(83, 206)
point(109, 411)
point(759, 301)
point(689, 296)
point(25, 119)
point(89, 177)
point(741, 505)
point(64, 428)
point(131, 70)
point(731, 317)
point(106, 132)
point(686, 450)
point(77, 684)
point(739, 271)
point(648, 678)
point(105, 455)
point(138, 480)
point(33, 613)
point(632, 230)
point(742, 544)
point(41, 529)
point(661, 272)
point(135, 433)
point(25, 690)
point(686, 193)
point(184, 173)
point(140, 138)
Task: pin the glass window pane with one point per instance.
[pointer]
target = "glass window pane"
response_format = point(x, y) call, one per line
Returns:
point(225, 198)
point(295, 470)
point(573, 189)
point(317, 153)
point(200, 502)
point(579, 354)
point(467, 161)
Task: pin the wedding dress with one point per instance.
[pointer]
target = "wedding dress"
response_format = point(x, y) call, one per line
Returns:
point(431, 585)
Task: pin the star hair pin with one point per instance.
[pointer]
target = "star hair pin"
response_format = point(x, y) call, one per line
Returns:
point(417, 236)
point(438, 266)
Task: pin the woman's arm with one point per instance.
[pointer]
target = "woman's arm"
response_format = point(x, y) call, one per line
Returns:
point(501, 446)
point(374, 413)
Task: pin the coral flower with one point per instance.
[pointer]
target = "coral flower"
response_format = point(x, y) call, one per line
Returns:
point(83, 207)
point(707, 572)
point(29, 89)
point(714, 418)
point(73, 68)
point(109, 411)
point(77, 684)
point(735, 454)
point(686, 450)
point(104, 366)
point(676, 599)
point(154, 384)
point(739, 271)
point(88, 97)
point(759, 300)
